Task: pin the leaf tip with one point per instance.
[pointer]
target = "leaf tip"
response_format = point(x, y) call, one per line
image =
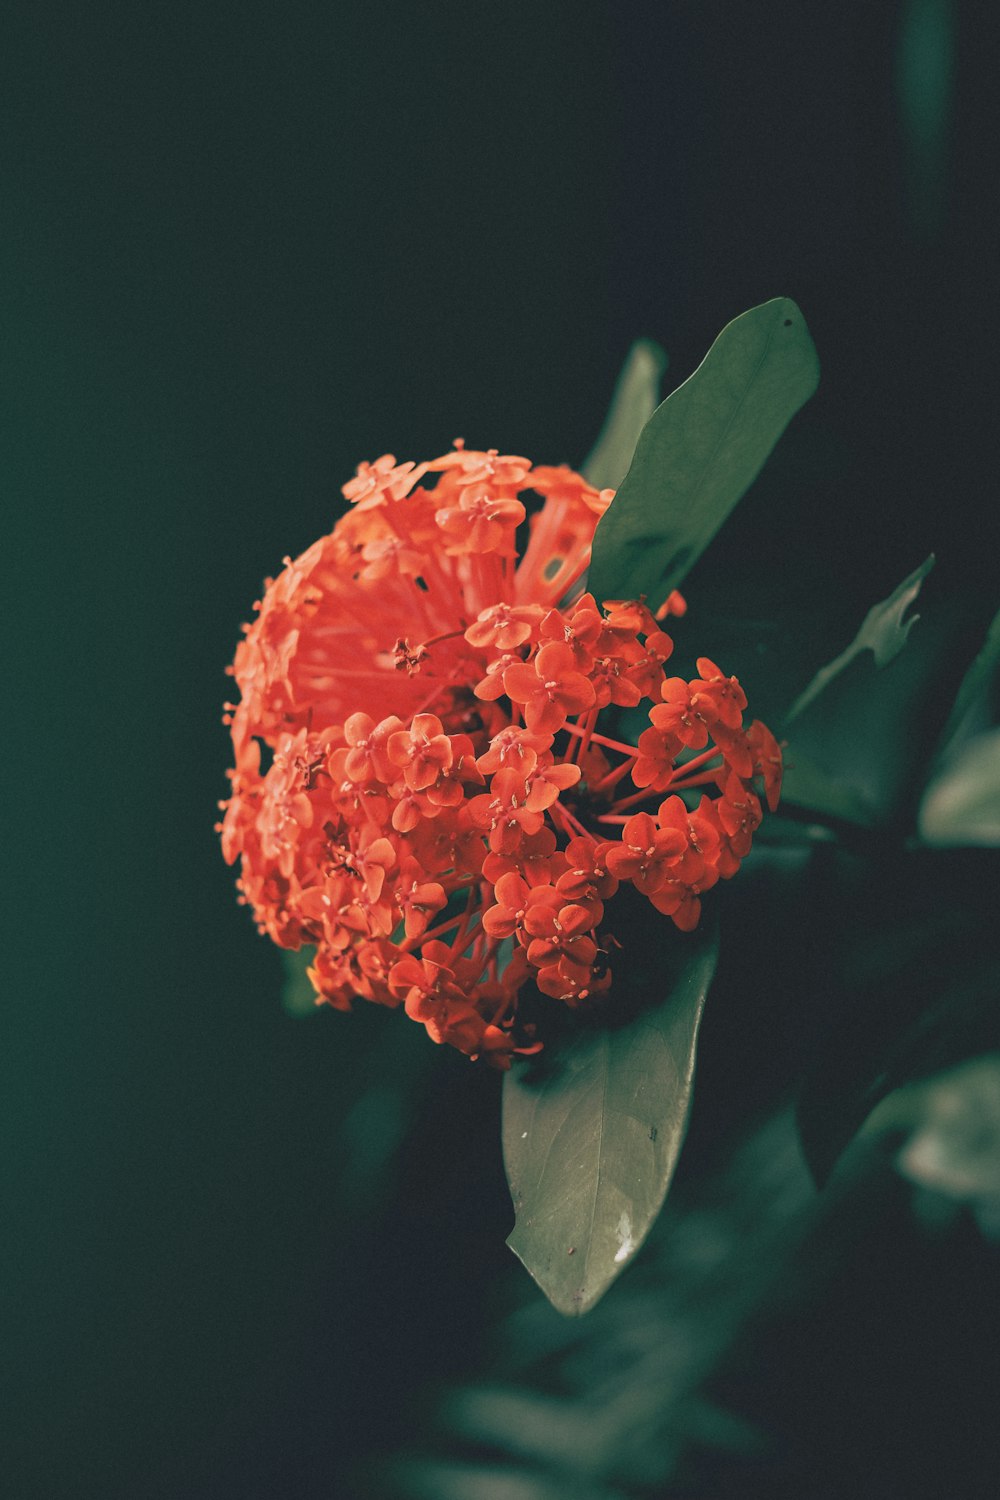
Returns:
point(652, 354)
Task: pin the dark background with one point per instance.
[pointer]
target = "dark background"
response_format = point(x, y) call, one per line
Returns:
point(245, 247)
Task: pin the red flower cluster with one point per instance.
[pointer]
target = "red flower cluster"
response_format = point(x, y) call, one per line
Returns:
point(440, 816)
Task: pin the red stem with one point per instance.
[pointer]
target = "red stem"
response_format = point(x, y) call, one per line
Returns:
point(697, 760)
point(612, 779)
point(633, 800)
point(602, 739)
point(570, 823)
point(449, 635)
point(702, 780)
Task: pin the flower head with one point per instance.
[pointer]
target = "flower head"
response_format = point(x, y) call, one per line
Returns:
point(439, 809)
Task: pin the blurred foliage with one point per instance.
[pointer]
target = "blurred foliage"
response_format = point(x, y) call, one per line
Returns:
point(636, 396)
point(614, 1405)
point(950, 1129)
point(925, 79)
point(962, 804)
point(916, 985)
point(975, 705)
point(297, 994)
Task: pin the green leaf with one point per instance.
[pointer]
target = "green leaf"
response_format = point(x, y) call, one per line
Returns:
point(808, 785)
point(592, 1132)
point(973, 692)
point(632, 404)
point(962, 805)
point(884, 632)
point(701, 450)
point(849, 732)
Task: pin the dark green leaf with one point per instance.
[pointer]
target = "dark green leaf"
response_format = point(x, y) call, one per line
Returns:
point(809, 785)
point(974, 691)
point(592, 1133)
point(884, 632)
point(701, 450)
point(962, 805)
point(633, 403)
point(850, 734)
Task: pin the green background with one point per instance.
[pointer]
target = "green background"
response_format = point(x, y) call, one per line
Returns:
point(246, 246)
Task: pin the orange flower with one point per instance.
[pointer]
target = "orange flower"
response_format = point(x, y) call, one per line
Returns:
point(550, 688)
point(423, 751)
point(481, 521)
point(439, 812)
point(647, 854)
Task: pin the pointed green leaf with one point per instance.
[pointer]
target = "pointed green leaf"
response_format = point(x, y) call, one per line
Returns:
point(701, 450)
point(592, 1133)
point(847, 732)
point(633, 403)
point(884, 632)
